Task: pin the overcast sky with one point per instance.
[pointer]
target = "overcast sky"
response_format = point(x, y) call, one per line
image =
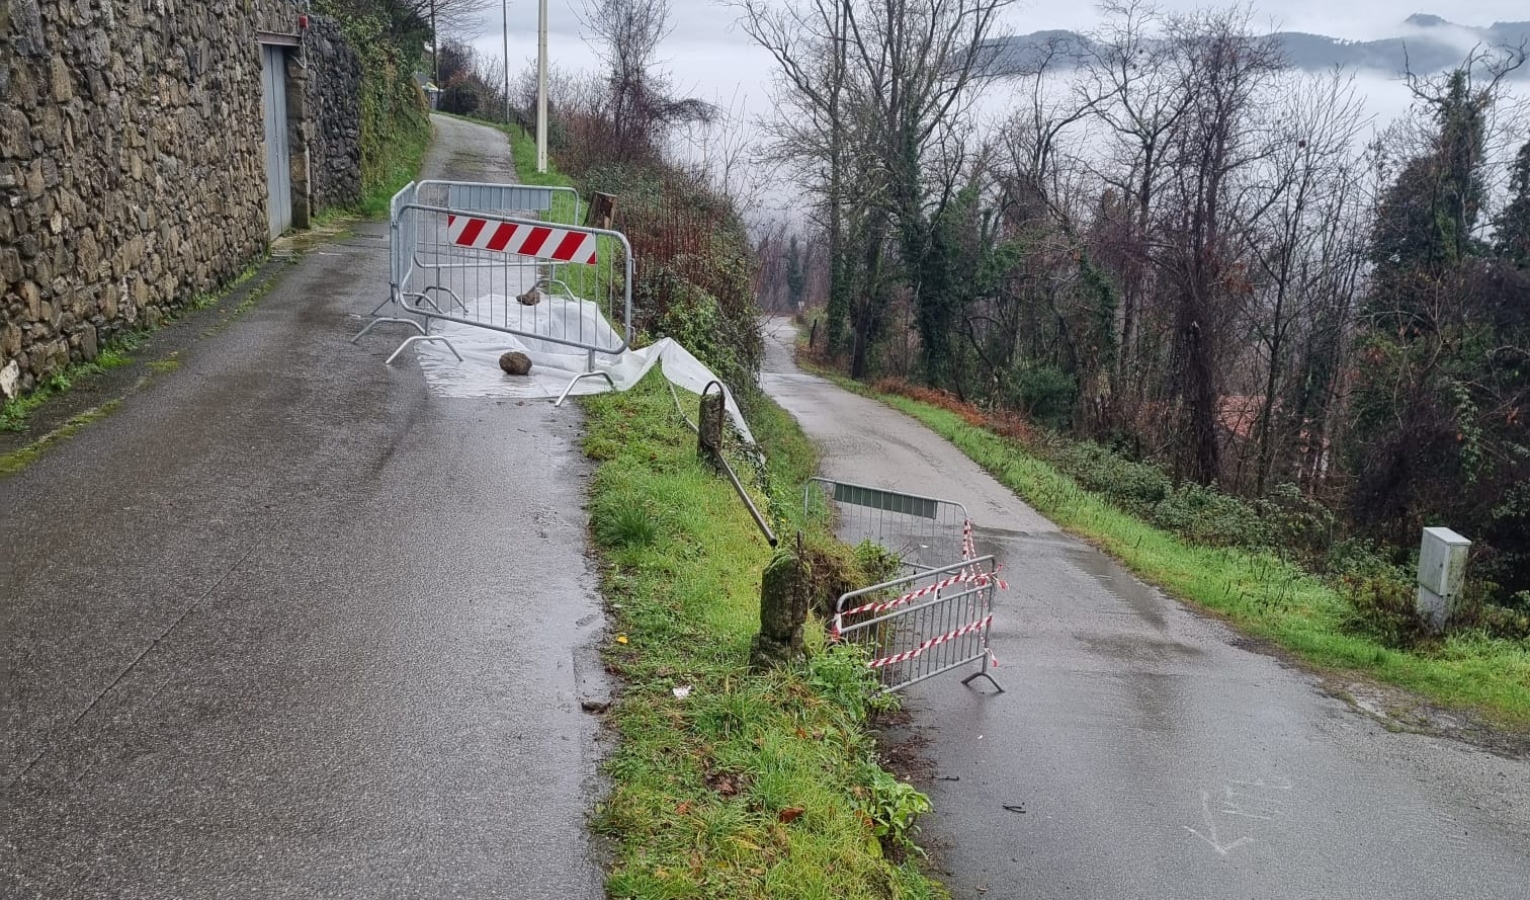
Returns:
point(710, 58)
point(713, 22)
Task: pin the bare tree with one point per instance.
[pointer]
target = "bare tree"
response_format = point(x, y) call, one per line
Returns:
point(809, 44)
point(627, 34)
point(880, 86)
point(1302, 232)
point(1132, 83)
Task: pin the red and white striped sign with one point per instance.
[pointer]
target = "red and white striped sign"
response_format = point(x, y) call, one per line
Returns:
point(540, 241)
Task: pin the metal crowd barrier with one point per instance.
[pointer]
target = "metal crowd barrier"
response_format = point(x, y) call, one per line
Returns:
point(459, 253)
point(921, 625)
point(923, 531)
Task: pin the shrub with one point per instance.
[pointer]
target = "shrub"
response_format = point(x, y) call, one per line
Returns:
point(840, 675)
point(1046, 394)
point(1384, 607)
point(1207, 516)
point(1297, 521)
point(461, 99)
point(893, 807)
point(1138, 487)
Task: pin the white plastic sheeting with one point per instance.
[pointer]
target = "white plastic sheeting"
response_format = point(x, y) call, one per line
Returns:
point(553, 365)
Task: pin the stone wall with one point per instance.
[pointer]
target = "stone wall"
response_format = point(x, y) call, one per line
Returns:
point(132, 162)
point(332, 97)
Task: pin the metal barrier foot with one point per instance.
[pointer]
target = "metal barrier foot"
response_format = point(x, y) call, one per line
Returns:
point(378, 321)
point(984, 675)
point(420, 339)
point(564, 396)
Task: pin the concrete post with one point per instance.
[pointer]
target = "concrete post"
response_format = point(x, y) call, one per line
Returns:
point(1441, 575)
point(709, 428)
point(784, 600)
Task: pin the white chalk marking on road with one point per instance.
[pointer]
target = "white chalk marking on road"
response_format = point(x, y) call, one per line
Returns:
point(1211, 826)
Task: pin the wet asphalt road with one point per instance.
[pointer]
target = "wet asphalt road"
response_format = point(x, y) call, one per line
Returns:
point(287, 625)
point(1140, 751)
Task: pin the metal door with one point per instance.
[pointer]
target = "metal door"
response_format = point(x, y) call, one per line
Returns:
point(273, 95)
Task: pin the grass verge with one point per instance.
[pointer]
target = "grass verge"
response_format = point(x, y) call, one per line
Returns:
point(1258, 592)
point(16, 460)
point(16, 413)
point(724, 784)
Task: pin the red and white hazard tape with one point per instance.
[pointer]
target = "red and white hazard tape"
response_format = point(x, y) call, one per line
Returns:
point(906, 598)
point(558, 244)
point(932, 642)
point(978, 579)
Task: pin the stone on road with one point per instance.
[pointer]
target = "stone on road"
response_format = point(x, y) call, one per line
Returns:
point(287, 624)
point(1142, 750)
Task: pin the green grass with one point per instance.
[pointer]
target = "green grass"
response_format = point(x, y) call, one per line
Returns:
point(1258, 592)
point(16, 413)
point(752, 786)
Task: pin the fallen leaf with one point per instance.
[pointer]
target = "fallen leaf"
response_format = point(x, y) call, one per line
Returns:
point(790, 814)
point(621, 639)
point(684, 807)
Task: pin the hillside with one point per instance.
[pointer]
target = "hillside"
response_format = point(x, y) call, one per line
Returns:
point(1424, 43)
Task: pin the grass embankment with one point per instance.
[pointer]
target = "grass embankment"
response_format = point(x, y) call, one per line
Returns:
point(747, 786)
point(400, 169)
point(1260, 593)
point(395, 168)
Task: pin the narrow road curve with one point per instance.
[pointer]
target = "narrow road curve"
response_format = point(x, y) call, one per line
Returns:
point(288, 625)
point(1141, 751)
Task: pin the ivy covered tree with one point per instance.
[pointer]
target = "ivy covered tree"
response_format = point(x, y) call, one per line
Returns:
point(1438, 436)
point(1512, 226)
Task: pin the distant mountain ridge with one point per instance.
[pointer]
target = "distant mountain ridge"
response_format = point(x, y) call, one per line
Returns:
point(1427, 45)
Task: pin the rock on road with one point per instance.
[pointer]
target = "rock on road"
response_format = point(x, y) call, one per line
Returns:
point(1140, 750)
point(286, 624)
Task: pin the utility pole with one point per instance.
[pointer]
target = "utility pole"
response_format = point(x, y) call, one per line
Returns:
point(504, 18)
point(542, 86)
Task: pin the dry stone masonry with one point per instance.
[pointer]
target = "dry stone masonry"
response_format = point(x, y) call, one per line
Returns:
point(332, 98)
point(132, 161)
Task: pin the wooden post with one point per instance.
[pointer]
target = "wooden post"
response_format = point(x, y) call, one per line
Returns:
point(602, 211)
point(784, 600)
